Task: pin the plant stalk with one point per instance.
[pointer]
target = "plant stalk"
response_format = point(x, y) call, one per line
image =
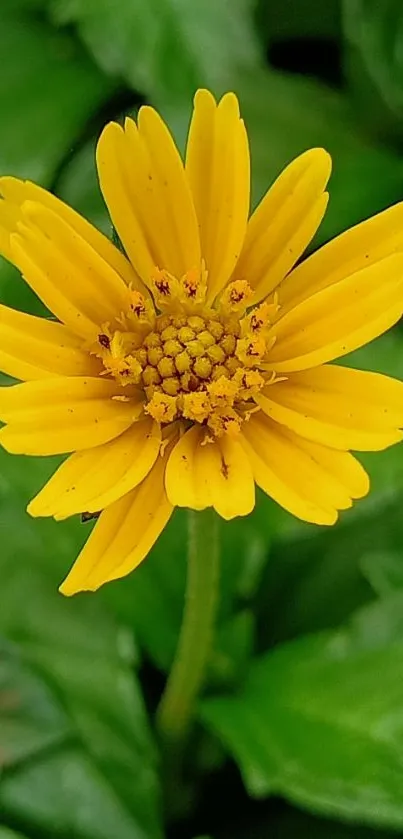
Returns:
point(188, 671)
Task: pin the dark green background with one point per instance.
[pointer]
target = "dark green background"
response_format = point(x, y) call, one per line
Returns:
point(300, 730)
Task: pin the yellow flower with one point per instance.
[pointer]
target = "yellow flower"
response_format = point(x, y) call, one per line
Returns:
point(197, 365)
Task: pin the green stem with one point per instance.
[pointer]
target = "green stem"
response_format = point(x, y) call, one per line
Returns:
point(194, 646)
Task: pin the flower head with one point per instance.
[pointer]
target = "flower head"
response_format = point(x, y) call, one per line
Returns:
point(195, 365)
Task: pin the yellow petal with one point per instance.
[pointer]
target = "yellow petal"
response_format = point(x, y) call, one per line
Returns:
point(285, 221)
point(342, 466)
point(90, 480)
point(217, 165)
point(213, 474)
point(9, 214)
point(18, 400)
point(309, 480)
point(16, 193)
point(144, 185)
point(173, 190)
point(123, 535)
point(40, 264)
point(361, 246)
point(338, 407)
point(339, 318)
point(225, 469)
point(35, 348)
point(71, 278)
point(114, 182)
point(53, 416)
point(181, 483)
point(199, 156)
point(131, 191)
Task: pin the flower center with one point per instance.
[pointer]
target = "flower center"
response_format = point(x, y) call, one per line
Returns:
point(193, 362)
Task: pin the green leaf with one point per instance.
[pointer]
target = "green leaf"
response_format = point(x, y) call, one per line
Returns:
point(30, 719)
point(10, 834)
point(286, 114)
point(78, 186)
point(374, 34)
point(84, 661)
point(48, 779)
point(49, 92)
point(320, 720)
point(65, 794)
point(166, 48)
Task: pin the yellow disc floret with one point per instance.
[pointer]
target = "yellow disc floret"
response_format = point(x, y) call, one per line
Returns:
point(202, 364)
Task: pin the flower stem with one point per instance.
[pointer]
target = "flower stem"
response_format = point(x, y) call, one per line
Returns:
point(188, 670)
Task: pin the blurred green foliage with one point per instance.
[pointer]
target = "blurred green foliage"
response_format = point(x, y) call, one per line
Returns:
point(320, 719)
point(305, 681)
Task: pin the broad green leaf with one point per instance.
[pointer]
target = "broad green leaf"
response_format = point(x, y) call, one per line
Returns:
point(166, 48)
point(47, 95)
point(64, 794)
point(320, 720)
point(30, 721)
point(374, 34)
point(49, 90)
point(48, 779)
point(78, 186)
point(85, 660)
point(10, 834)
point(287, 114)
